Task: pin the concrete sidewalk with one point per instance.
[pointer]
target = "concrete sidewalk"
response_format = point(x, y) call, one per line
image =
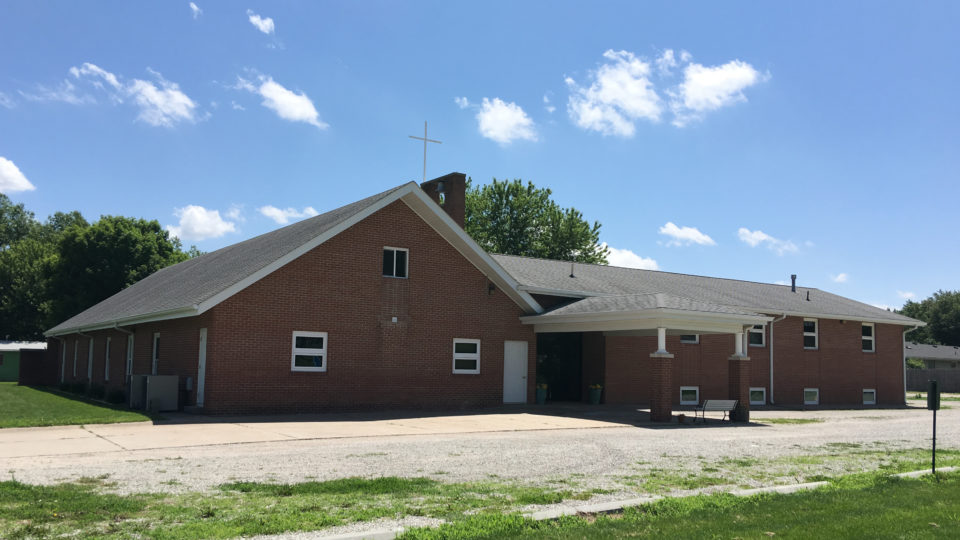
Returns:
point(187, 430)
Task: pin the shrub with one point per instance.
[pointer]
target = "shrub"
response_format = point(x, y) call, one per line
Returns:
point(97, 391)
point(116, 396)
point(78, 387)
point(64, 387)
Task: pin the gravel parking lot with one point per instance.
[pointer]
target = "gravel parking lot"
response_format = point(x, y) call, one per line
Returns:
point(606, 460)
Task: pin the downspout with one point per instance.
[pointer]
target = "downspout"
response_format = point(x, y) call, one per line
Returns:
point(903, 347)
point(126, 374)
point(88, 336)
point(782, 317)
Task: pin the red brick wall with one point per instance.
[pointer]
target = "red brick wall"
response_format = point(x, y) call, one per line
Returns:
point(838, 368)
point(371, 361)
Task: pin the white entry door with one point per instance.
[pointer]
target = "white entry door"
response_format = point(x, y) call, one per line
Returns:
point(514, 371)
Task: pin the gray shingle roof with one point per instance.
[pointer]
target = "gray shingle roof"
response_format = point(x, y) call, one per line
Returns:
point(637, 302)
point(594, 279)
point(932, 352)
point(191, 282)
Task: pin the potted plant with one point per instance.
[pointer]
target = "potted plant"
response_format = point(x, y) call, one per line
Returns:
point(596, 390)
point(541, 393)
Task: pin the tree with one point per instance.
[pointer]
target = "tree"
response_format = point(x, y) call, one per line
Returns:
point(941, 312)
point(515, 219)
point(16, 222)
point(98, 261)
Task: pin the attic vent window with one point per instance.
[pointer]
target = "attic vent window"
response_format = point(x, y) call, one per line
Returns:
point(395, 262)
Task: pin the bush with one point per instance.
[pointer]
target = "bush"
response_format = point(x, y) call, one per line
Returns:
point(64, 387)
point(116, 396)
point(78, 387)
point(97, 391)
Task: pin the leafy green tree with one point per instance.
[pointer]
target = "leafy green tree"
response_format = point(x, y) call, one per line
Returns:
point(514, 218)
point(16, 222)
point(98, 261)
point(941, 312)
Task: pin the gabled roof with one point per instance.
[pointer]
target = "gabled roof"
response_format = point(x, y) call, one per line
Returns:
point(194, 286)
point(627, 303)
point(931, 352)
point(542, 276)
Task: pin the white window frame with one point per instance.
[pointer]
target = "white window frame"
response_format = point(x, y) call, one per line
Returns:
point(465, 356)
point(406, 273)
point(758, 389)
point(308, 351)
point(155, 354)
point(90, 360)
point(815, 334)
point(814, 402)
point(872, 338)
point(76, 346)
point(106, 361)
point(763, 335)
point(129, 353)
point(874, 390)
point(696, 339)
point(688, 388)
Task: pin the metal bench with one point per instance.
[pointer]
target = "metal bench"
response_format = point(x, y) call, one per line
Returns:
point(725, 406)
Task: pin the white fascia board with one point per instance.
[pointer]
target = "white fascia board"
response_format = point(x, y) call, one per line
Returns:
point(443, 224)
point(846, 318)
point(690, 325)
point(206, 305)
point(560, 292)
point(127, 321)
point(647, 314)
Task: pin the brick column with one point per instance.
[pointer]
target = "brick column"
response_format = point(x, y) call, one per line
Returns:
point(738, 370)
point(661, 387)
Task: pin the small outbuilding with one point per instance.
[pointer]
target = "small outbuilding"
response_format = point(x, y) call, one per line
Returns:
point(10, 352)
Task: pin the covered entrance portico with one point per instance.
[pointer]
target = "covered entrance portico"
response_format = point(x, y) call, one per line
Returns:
point(661, 315)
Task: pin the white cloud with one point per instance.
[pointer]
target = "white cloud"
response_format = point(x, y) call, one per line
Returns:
point(195, 10)
point(684, 236)
point(758, 237)
point(629, 259)
point(66, 93)
point(91, 70)
point(6, 101)
point(504, 122)
point(547, 105)
point(906, 295)
point(709, 88)
point(236, 106)
point(11, 179)
point(621, 93)
point(666, 62)
point(283, 216)
point(462, 102)
point(263, 24)
point(198, 223)
point(842, 277)
point(288, 104)
point(162, 104)
point(235, 213)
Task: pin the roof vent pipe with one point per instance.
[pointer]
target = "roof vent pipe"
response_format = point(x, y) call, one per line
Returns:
point(571, 270)
point(808, 296)
point(793, 281)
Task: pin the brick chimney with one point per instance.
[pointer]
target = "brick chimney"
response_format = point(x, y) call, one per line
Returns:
point(450, 192)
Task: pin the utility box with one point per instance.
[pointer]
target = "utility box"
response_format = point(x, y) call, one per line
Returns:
point(933, 397)
point(162, 393)
point(138, 391)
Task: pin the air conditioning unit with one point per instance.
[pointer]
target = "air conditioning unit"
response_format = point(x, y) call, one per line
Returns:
point(162, 392)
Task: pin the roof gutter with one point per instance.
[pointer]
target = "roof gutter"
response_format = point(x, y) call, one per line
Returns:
point(149, 317)
point(903, 347)
point(782, 317)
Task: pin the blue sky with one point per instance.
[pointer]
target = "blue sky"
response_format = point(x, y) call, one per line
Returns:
point(742, 140)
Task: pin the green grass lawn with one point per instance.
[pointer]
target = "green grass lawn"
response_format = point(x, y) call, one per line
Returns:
point(24, 406)
point(863, 506)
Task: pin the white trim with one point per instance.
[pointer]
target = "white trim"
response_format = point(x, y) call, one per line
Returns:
point(872, 338)
point(814, 402)
point(696, 339)
point(129, 353)
point(466, 356)
point(76, 344)
point(106, 360)
point(874, 401)
point(127, 321)
point(201, 367)
point(757, 389)
point(63, 360)
point(308, 351)
point(763, 335)
point(651, 313)
point(559, 292)
point(686, 389)
point(155, 353)
point(90, 359)
point(815, 333)
point(406, 271)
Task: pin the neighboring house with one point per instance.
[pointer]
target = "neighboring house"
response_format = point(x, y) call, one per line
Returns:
point(387, 303)
point(934, 356)
point(10, 357)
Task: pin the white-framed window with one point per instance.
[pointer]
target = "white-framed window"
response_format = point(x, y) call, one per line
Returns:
point(869, 396)
point(76, 344)
point(810, 337)
point(106, 361)
point(811, 396)
point(309, 351)
point(689, 395)
point(395, 262)
point(156, 353)
point(757, 336)
point(129, 356)
point(90, 360)
point(868, 337)
point(758, 395)
point(466, 355)
point(690, 338)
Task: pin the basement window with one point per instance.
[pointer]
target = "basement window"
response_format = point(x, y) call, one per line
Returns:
point(758, 396)
point(691, 339)
point(466, 356)
point(395, 262)
point(689, 395)
point(309, 351)
point(810, 334)
point(867, 337)
point(811, 396)
point(869, 396)
point(757, 336)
